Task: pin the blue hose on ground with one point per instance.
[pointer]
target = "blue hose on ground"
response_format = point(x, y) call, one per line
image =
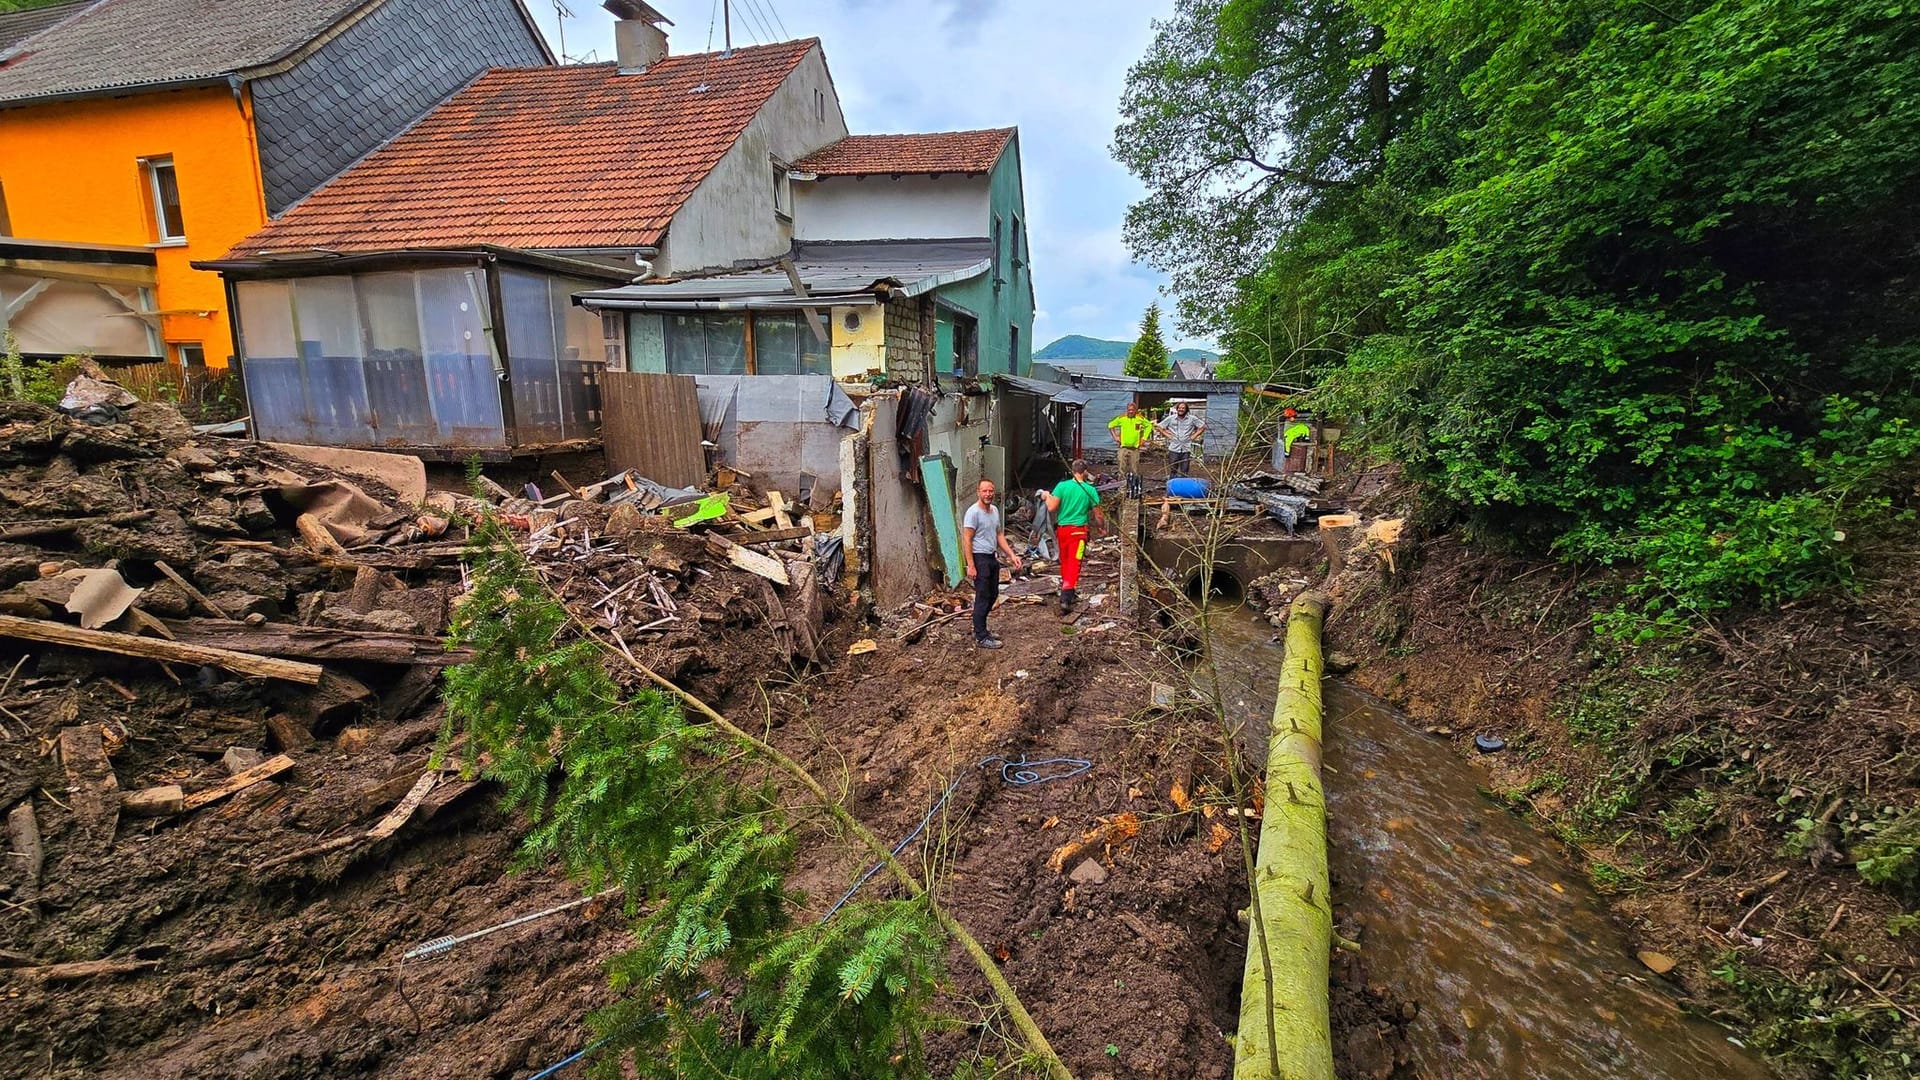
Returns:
point(1021, 773)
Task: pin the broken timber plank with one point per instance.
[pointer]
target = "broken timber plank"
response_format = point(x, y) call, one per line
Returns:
point(156, 649)
point(91, 785)
point(240, 781)
point(318, 537)
point(396, 817)
point(317, 642)
point(799, 532)
point(23, 835)
point(57, 526)
point(751, 561)
point(778, 504)
point(193, 594)
point(154, 801)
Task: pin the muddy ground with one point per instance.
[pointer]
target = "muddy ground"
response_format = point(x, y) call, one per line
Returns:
point(1716, 785)
point(239, 953)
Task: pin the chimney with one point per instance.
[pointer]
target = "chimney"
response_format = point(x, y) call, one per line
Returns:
point(638, 41)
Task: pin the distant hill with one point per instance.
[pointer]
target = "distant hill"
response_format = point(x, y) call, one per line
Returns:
point(1081, 347)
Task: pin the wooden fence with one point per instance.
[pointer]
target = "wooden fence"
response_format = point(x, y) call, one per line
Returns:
point(650, 423)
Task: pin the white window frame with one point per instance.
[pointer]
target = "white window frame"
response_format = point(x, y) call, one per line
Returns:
point(150, 167)
point(782, 190)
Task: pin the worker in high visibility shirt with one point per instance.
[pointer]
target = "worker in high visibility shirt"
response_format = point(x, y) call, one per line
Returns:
point(1292, 430)
point(1131, 430)
point(1072, 502)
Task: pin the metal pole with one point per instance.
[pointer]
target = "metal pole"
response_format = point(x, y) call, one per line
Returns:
point(726, 17)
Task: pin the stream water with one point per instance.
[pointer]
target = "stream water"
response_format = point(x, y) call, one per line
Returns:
point(1519, 972)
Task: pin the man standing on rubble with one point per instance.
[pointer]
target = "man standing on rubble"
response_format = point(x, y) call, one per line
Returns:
point(1072, 501)
point(984, 539)
point(1131, 430)
point(1182, 431)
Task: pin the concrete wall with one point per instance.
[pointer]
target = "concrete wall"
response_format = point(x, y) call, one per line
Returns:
point(862, 347)
point(729, 219)
point(954, 429)
point(375, 79)
point(900, 567)
point(890, 208)
point(779, 426)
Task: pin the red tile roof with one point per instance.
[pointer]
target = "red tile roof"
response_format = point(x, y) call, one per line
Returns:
point(937, 152)
point(552, 157)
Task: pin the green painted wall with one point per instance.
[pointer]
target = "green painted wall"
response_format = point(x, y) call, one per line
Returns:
point(1009, 303)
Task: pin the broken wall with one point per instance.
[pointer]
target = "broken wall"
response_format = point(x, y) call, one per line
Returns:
point(779, 427)
point(900, 567)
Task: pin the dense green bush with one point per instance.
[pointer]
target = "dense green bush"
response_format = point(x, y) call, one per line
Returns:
point(1636, 282)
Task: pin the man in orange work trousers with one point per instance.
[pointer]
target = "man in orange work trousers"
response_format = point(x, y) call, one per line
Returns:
point(1072, 502)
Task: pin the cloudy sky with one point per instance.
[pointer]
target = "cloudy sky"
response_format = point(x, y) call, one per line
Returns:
point(1055, 69)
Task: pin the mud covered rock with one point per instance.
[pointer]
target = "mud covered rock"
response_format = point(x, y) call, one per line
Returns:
point(165, 536)
point(243, 571)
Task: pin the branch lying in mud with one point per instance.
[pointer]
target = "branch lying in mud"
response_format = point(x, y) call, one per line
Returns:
point(1030, 1033)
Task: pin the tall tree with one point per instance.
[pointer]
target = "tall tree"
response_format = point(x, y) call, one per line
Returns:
point(1243, 116)
point(1148, 358)
point(1633, 280)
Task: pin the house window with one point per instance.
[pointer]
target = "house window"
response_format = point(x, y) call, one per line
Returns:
point(163, 192)
point(707, 344)
point(190, 355)
point(1019, 251)
point(6, 224)
point(764, 343)
point(966, 345)
point(999, 242)
point(1013, 350)
point(782, 191)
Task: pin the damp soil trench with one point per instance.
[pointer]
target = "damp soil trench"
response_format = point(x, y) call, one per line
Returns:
point(1465, 909)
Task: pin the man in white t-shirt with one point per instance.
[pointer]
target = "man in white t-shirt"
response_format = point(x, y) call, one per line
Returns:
point(1182, 432)
point(983, 539)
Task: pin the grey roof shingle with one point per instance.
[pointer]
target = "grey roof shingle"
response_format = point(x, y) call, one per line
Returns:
point(18, 26)
point(124, 44)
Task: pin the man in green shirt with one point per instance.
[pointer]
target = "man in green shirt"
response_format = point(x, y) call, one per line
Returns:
point(1072, 502)
point(1131, 430)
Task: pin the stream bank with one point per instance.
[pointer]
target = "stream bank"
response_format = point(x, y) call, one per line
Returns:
point(1722, 788)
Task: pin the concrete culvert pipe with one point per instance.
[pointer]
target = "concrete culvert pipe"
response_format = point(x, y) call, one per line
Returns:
point(1222, 586)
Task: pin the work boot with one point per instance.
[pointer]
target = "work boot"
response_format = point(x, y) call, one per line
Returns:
point(987, 643)
point(1066, 601)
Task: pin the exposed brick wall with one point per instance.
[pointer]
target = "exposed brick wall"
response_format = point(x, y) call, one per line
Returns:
point(909, 334)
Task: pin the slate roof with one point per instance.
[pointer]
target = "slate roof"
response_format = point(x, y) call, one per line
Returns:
point(552, 157)
point(129, 44)
point(934, 152)
point(831, 271)
point(18, 26)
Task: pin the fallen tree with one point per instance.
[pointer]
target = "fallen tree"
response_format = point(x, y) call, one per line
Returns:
point(1284, 1032)
point(658, 794)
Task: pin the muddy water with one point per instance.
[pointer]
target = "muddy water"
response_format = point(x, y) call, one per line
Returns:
point(1465, 909)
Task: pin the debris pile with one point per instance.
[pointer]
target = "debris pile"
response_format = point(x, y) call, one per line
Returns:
point(219, 675)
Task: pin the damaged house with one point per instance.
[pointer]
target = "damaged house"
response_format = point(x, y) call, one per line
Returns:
point(423, 299)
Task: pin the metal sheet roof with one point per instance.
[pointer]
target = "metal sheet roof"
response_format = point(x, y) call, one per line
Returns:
point(1065, 395)
point(832, 272)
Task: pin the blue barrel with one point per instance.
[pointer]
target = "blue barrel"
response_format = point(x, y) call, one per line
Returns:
point(1187, 487)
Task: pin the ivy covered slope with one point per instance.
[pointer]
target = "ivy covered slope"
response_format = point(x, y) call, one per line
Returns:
point(1637, 282)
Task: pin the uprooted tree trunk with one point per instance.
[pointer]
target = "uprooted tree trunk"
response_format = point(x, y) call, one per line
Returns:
point(1284, 1032)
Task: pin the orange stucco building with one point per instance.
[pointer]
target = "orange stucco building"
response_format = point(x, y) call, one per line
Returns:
point(83, 171)
point(180, 127)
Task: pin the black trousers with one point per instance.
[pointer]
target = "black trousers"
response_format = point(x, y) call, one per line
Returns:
point(986, 590)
